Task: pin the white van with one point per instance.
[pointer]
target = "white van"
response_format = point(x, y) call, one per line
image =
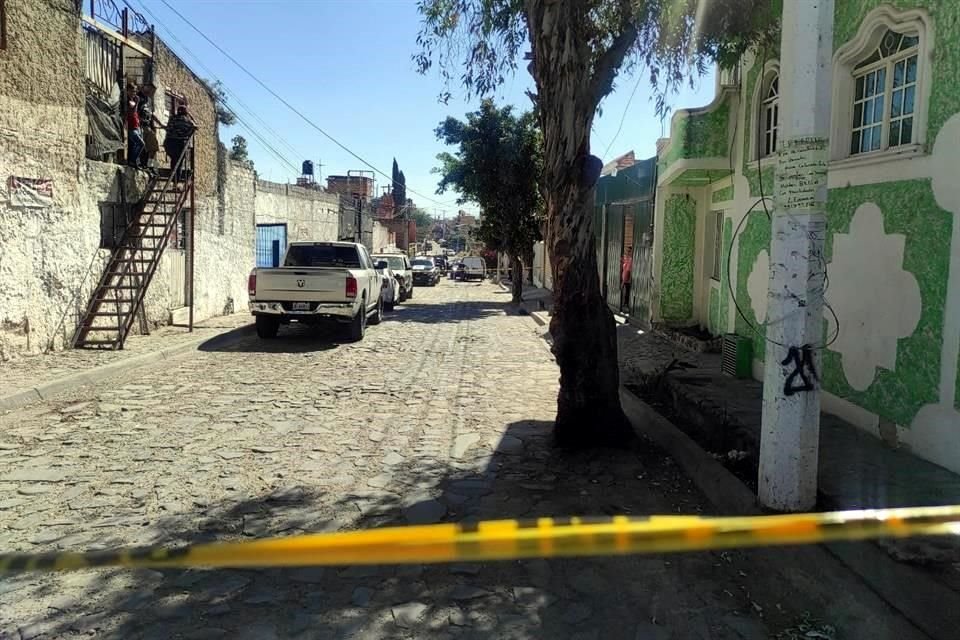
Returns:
point(475, 268)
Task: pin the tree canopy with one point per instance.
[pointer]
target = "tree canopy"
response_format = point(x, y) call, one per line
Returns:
point(479, 43)
point(225, 115)
point(239, 152)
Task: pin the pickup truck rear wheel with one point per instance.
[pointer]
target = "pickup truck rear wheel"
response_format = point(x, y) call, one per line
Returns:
point(358, 325)
point(267, 327)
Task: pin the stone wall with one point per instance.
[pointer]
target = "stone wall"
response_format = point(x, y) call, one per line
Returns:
point(174, 76)
point(225, 246)
point(308, 214)
point(382, 237)
point(42, 127)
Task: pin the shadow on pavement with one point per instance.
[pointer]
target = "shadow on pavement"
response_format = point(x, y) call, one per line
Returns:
point(514, 475)
point(725, 595)
point(292, 338)
point(438, 312)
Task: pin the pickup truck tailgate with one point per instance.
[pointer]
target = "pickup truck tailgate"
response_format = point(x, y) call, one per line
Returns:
point(302, 284)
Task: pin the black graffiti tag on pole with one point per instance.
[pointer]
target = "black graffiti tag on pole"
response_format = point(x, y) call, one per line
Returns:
point(802, 359)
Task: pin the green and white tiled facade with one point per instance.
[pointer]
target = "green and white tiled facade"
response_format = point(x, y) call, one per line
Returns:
point(893, 215)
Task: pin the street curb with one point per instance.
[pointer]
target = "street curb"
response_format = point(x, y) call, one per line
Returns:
point(722, 488)
point(884, 576)
point(47, 390)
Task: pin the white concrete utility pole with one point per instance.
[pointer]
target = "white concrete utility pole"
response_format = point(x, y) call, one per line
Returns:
point(790, 435)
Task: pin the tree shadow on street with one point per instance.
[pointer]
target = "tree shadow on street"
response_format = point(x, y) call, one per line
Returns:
point(516, 474)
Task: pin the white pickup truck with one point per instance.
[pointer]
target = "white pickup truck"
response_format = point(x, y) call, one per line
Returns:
point(318, 282)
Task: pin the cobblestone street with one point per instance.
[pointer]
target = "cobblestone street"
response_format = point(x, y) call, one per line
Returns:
point(441, 413)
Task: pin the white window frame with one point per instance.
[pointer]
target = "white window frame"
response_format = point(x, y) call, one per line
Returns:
point(911, 22)
point(756, 121)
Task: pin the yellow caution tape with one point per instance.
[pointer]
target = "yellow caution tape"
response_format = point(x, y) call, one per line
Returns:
point(512, 539)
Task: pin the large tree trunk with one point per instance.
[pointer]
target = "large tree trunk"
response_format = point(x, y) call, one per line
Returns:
point(516, 274)
point(582, 327)
point(528, 265)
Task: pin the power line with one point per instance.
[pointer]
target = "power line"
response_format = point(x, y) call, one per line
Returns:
point(273, 151)
point(623, 118)
point(293, 108)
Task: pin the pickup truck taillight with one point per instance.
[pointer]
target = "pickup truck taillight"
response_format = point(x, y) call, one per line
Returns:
point(351, 287)
point(252, 284)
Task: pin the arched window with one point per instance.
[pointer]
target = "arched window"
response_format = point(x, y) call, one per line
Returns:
point(881, 86)
point(770, 117)
point(885, 94)
point(765, 109)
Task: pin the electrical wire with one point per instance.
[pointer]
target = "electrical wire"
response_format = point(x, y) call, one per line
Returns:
point(295, 110)
point(623, 118)
point(763, 201)
point(268, 146)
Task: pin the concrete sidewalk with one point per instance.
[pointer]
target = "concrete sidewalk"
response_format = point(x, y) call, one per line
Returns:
point(34, 378)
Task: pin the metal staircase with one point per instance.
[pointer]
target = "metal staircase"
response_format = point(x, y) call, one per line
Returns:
point(113, 307)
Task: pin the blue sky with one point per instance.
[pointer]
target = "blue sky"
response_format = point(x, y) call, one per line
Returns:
point(346, 64)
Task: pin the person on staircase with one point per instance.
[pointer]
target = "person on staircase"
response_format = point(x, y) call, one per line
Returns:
point(148, 125)
point(134, 132)
point(179, 129)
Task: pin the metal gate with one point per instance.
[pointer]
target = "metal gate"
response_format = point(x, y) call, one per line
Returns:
point(614, 254)
point(271, 244)
point(641, 279)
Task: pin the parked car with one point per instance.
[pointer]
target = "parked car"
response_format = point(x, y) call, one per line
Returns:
point(475, 268)
point(459, 272)
point(391, 286)
point(318, 282)
point(425, 272)
point(402, 271)
point(441, 262)
point(452, 268)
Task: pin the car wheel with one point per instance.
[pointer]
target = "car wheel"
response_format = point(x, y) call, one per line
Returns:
point(389, 305)
point(377, 317)
point(358, 325)
point(410, 294)
point(267, 327)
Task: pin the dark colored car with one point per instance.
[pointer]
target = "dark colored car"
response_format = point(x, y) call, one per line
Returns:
point(425, 272)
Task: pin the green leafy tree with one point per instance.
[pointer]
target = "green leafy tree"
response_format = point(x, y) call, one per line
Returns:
point(238, 152)
point(225, 115)
point(497, 165)
point(424, 222)
point(575, 49)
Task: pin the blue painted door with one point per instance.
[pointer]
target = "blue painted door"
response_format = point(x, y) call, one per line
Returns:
point(271, 244)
